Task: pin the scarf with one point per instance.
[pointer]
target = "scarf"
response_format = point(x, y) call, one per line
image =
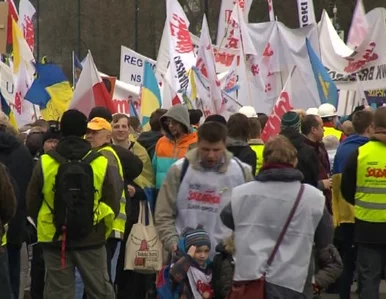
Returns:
point(200, 283)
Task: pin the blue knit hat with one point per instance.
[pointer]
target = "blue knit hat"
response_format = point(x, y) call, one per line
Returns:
point(195, 237)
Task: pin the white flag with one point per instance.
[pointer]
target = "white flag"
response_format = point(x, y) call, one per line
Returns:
point(306, 12)
point(248, 47)
point(225, 15)
point(360, 95)
point(206, 64)
point(22, 109)
point(26, 13)
point(180, 46)
point(359, 26)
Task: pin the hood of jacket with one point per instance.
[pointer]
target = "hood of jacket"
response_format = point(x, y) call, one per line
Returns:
point(379, 135)
point(227, 246)
point(8, 143)
point(255, 141)
point(294, 137)
point(348, 146)
point(178, 113)
point(149, 138)
point(73, 148)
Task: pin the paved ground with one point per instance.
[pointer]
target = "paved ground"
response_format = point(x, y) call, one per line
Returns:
point(355, 296)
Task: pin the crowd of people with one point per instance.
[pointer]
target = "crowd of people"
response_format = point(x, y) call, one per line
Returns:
point(300, 214)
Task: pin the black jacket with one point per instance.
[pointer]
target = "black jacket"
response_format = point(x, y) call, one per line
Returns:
point(307, 158)
point(149, 140)
point(19, 162)
point(242, 151)
point(365, 232)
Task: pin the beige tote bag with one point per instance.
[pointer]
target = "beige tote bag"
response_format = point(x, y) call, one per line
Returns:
point(143, 247)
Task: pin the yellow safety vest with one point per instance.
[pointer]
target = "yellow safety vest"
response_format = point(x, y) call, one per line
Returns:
point(370, 196)
point(4, 238)
point(258, 149)
point(328, 131)
point(45, 225)
point(120, 221)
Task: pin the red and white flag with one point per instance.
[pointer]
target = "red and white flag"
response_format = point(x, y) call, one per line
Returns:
point(90, 90)
point(247, 44)
point(181, 49)
point(359, 26)
point(271, 11)
point(26, 13)
point(12, 14)
point(283, 105)
point(224, 21)
point(22, 109)
point(206, 65)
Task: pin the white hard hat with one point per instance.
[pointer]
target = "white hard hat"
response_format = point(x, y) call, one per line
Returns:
point(312, 111)
point(248, 111)
point(326, 110)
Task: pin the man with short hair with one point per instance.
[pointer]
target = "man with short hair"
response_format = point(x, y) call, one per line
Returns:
point(312, 128)
point(62, 253)
point(198, 187)
point(364, 186)
point(150, 138)
point(255, 142)
point(290, 128)
point(343, 212)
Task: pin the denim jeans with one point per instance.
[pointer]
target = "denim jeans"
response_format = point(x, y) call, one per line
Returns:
point(5, 283)
point(371, 264)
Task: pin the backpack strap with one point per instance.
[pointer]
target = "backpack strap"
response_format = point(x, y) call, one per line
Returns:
point(184, 169)
point(242, 168)
point(58, 157)
point(285, 227)
point(91, 157)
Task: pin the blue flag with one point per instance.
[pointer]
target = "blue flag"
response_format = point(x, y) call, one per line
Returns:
point(327, 90)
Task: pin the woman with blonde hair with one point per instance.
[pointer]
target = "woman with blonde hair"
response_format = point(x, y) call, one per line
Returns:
point(276, 220)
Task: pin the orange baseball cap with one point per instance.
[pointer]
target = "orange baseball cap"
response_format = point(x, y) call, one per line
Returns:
point(99, 123)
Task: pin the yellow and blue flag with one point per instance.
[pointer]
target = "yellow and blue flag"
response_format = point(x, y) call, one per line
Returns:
point(76, 69)
point(7, 110)
point(51, 91)
point(327, 89)
point(151, 95)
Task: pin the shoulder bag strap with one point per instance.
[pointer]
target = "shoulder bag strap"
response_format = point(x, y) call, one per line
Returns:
point(285, 227)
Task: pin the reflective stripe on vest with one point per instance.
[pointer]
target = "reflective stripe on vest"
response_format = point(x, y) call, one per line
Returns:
point(45, 225)
point(4, 238)
point(258, 149)
point(370, 199)
point(120, 221)
point(328, 131)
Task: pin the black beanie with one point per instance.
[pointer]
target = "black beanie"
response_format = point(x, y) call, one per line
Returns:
point(73, 123)
point(100, 112)
point(51, 134)
point(217, 118)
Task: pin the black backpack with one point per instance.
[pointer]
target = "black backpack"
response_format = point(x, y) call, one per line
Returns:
point(73, 210)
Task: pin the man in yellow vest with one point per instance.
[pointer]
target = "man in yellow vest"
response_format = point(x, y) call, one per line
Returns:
point(364, 186)
point(63, 248)
point(329, 116)
point(99, 136)
point(255, 142)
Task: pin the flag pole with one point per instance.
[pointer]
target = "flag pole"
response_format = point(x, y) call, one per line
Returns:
point(136, 25)
point(79, 36)
point(37, 30)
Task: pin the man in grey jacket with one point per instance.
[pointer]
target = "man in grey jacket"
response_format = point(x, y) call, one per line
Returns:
point(198, 187)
